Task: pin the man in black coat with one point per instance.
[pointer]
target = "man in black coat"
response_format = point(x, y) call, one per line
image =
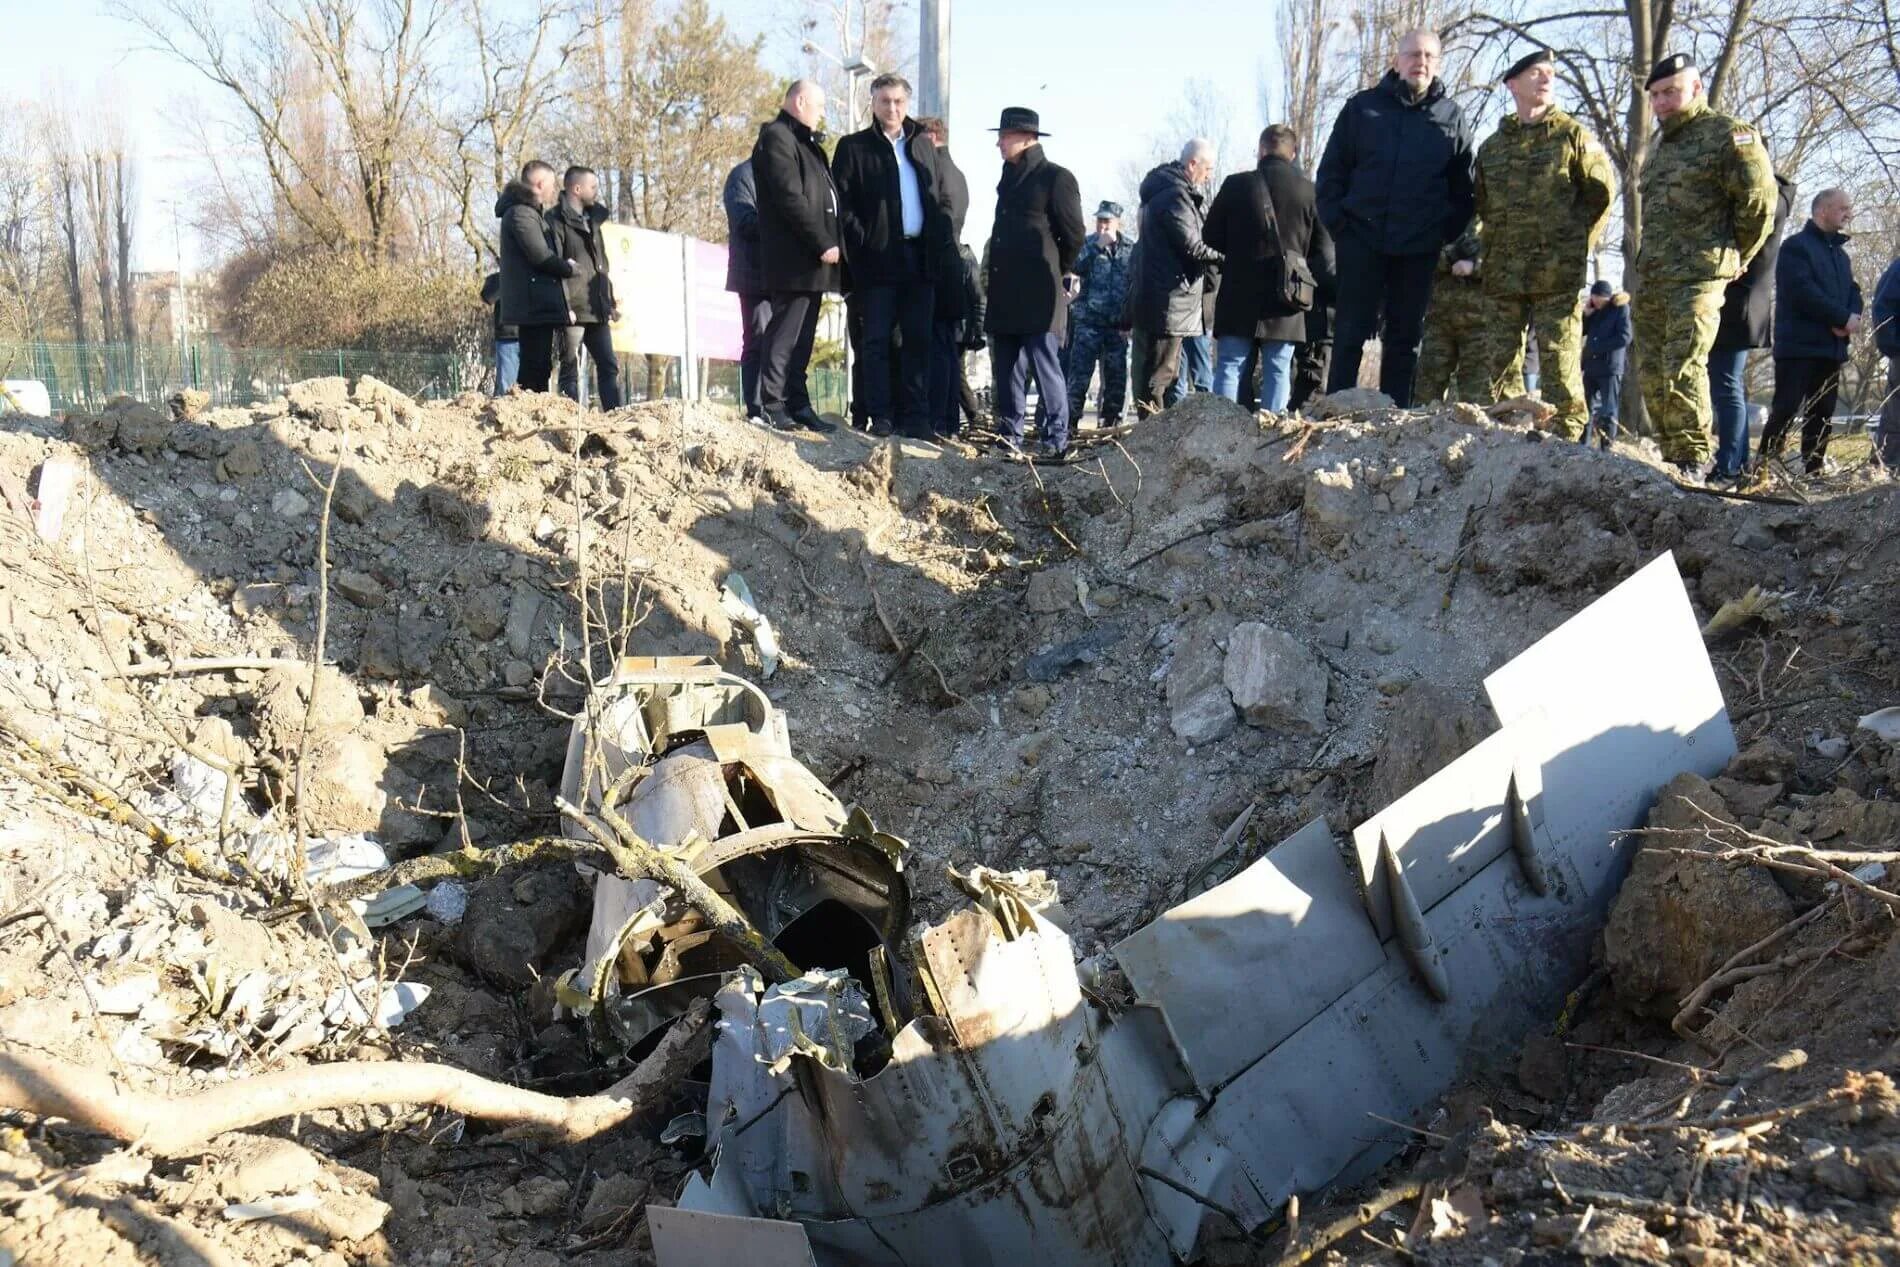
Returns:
point(745, 277)
point(533, 297)
point(892, 210)
point(1748, 321)
point(1395, 186)
point(799, 249)
point(1265, 223)
point(1168, 271)
point(955, 304)
point(1817, 309)
point(1037, 235)
point(577, 219)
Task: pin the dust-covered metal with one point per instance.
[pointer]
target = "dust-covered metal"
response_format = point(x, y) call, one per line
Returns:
point(1278, 1015)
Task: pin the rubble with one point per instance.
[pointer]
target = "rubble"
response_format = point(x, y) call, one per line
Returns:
point(991, 666)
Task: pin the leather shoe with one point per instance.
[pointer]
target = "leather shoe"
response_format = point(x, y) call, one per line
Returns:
point(808, 418)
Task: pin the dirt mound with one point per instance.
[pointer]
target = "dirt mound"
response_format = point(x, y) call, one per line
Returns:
point(1094, 669)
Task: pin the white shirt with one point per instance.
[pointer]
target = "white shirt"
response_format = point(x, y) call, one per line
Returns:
point(907, 191)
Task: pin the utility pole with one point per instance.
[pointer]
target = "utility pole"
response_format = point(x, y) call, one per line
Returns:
point(933, 58)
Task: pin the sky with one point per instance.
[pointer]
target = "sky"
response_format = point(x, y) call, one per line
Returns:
point(1099, 76)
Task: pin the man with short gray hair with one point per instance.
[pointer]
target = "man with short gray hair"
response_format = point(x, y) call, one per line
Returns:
point(1817, 310)
point(1394, 187)
point(799, 251)
point(1168, 273)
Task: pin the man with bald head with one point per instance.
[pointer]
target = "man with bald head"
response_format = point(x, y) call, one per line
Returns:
point(1817, 310)
point(1394, 186)
point(799, 250)
point(1708, 207)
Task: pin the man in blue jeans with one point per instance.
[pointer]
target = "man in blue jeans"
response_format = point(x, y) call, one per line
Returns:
point(1265, 223)
point(1748, 321)
point(1606, 340)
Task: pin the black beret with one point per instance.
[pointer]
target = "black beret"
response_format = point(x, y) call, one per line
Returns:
point(1541, 57)
point(1674, 64)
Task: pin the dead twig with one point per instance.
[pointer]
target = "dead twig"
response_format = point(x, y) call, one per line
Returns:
point(1327, 1234)
point(210, 664)
point(175, 1125)
point(1733, 972)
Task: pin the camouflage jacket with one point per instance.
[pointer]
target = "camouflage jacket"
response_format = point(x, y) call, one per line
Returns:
point(1103, 268)
point(1544, 192)
point(1458, 302)
point(1708, 198)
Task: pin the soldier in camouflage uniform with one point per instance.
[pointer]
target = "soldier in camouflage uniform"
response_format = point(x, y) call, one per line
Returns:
point(1708, 207)
point(1095, 315)
point(1543, 193)
point(1456, 328)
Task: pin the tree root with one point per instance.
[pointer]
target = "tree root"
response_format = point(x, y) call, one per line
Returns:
point(175, 1125)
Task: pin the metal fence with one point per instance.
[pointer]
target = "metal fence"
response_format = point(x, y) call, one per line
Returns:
point(87, 375)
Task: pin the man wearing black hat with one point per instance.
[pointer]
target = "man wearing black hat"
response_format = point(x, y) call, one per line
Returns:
point(1606, 342)
point(1708, 207)
point(1394, 186)
point(1033, 246)
point(1543, 193)
point(799, 251)
point(1102, 269)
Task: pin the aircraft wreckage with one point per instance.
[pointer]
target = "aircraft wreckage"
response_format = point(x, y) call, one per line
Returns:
point(954, 1093)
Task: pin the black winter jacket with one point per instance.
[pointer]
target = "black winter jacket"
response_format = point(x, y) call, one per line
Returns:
point(1748, 305)
point(532, 270)
point(1397, 174)
point(1037, 235)
point(1167, 275)
point(1815, 292)
point(1237, 227)
point(577, 236)
point(744, 276)
point(1606, 338)
point(491, 295)
point(798, 209)
point(871, 208)
point(947, 249)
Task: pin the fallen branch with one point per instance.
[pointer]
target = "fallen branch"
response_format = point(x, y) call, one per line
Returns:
point(1346, 1224)
point(210, 664)
point(174, 1125)
point(1726, 974)
point(464, 864)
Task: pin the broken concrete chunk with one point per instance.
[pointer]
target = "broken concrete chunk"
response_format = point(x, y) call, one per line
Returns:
point(360, 588)
point(1332, 504)
point(1051, 590)
point(1200, 708)
point(1274, 681)
point(484, 613)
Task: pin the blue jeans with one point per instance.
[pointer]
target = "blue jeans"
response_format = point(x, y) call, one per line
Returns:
point(1603, 394)
point(1017, 355)
point(507, 364)
point(1197, 368)
point(1276, 369)
point(1730, 399)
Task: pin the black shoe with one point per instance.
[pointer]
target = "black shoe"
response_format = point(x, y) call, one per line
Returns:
point(881, 427)
point(783, 422)
point(808, 418)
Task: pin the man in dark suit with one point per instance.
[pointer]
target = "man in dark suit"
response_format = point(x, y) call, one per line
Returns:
point(1038, 234)
point(954, 304)
point(577, 219)
point(1264, 222)
point(745, 277)
point(799, 247)
point(890, 209)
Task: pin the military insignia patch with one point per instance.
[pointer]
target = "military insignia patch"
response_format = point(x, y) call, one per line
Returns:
point(1742, 136)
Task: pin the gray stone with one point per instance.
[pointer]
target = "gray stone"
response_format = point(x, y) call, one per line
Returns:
point(360, 588)
point(1200, 710)
point(288, 503)
point(1351, 400)
point(517, 673)
point(1332, 505)
point(1273, 680)
point(524, 605)
point(348, 1216)
point(1752, 535)
point(354, 501)
point(142, 429)
point(1050, 591)
point(484, 613)
point(241, 460)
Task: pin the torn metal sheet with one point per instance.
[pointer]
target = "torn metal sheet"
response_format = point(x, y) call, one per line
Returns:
point(1016, 1121)
point(1216, 964)
point(724, 1240)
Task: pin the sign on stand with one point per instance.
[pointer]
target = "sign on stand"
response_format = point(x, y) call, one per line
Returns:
point(673, 299)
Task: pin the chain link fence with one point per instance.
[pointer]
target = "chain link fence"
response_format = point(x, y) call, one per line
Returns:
point(85, 376)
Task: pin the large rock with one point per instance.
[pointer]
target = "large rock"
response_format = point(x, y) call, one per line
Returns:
point(1199, 708)
point(315, 394)
point(1274, 681)
point(515, 919)
point(1332, 505)
point(1678, 918)
point(283, 699)
point(142, 429)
